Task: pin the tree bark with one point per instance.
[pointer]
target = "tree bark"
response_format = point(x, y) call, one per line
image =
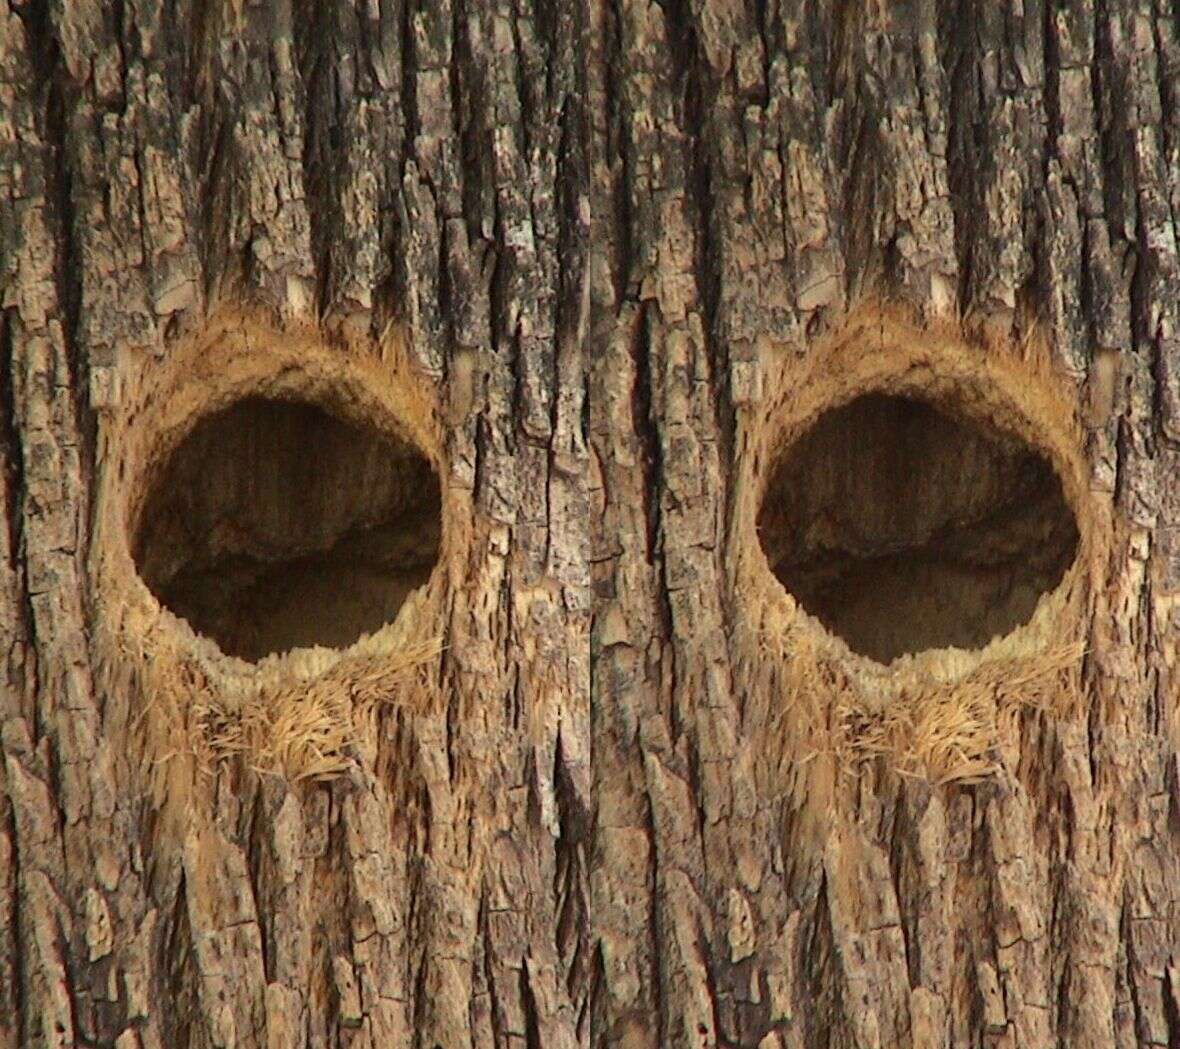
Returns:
point(602, 264)
point(783, 185)
point(400, 188)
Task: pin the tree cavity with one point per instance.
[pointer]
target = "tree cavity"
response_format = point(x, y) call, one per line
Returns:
point(277, 525)
point(903, 528)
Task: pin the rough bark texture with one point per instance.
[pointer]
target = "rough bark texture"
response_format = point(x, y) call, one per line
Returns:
point(1008, 173)
point(375, 173)
point(979, 200)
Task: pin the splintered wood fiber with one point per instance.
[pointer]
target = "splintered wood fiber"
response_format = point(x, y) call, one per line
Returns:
point(915, 552)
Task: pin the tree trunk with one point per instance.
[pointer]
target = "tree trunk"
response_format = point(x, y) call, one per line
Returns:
point(883, 332)
point(378, 210)
point(799, 204)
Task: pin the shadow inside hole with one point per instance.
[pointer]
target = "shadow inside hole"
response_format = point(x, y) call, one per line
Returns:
point(903, 529)
point(276, 525)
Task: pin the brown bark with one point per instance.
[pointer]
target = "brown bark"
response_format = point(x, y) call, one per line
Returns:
point(753, 836)
point(795, 201)
point(396, 189)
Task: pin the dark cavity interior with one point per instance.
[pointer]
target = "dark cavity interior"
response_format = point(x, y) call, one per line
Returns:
point(902, 529)
point(276, 525)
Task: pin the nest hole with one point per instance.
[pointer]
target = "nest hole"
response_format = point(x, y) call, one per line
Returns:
point(277, 525)
point(902, 527)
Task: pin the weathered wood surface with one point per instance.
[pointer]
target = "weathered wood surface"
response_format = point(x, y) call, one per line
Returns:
point(510, 864)
point(377, 169)
point(760, 169)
